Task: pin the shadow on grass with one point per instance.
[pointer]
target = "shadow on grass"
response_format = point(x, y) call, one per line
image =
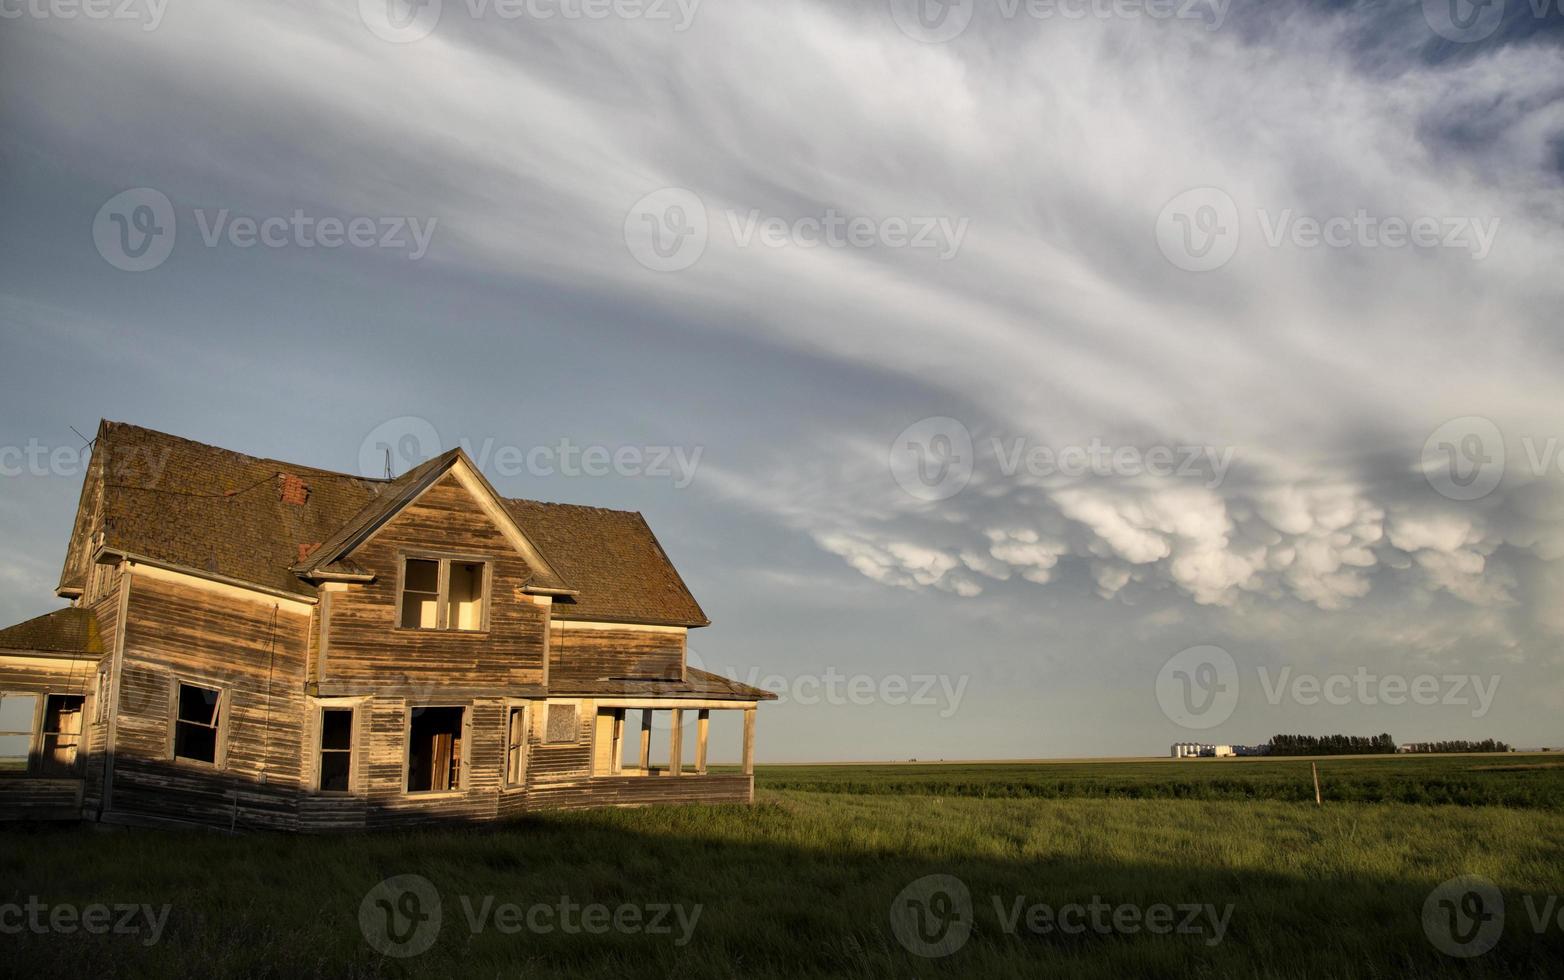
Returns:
point(748, 891)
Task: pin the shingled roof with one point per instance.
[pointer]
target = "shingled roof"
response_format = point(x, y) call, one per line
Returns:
point(697, 684)
point(257, 521)
point(62, 631)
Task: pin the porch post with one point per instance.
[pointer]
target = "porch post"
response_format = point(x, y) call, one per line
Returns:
point(646, 741)
point(749, 741)
point(702, 728)
point(676, 744)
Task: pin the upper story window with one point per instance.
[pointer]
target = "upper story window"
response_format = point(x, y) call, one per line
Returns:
point(444, 594)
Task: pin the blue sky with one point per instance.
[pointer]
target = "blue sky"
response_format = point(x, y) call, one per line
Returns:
point(1187, 319)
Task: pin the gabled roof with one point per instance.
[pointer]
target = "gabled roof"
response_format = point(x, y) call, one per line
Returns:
point(403, 491)
point(71, 630)
point(222, 513)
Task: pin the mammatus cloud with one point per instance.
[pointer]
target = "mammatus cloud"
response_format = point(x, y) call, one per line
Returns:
point(1055, 147)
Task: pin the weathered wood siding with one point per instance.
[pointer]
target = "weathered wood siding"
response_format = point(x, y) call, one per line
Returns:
point(253, 649)
point(583, 657)
point(106, 609)
point(366, 652)
point(32, 797)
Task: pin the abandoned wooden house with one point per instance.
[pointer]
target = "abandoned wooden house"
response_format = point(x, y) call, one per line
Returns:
point(256, 644)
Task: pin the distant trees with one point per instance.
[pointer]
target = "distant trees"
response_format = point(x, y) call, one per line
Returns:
point(1461, 745)
point(1332, 744)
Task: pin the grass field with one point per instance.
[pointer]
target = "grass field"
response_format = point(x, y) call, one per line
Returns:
point(805, 882)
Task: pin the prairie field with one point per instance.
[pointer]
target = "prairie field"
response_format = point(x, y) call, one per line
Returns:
point(1174, 869)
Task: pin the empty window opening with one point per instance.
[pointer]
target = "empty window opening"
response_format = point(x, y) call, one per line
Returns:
point(516, 746)
point(561, 725)
point(465, 609)
point(434, 749)
point(443, 594)
point(421, 594)
point(17, 718)
point(62, 715)
point(196, 724)
point(336, 749)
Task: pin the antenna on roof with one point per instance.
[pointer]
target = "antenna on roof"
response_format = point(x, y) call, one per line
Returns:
point(388, 462)
point(86, 443)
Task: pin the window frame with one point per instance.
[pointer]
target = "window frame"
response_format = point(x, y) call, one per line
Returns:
point(220, 748)
point(524, 747)
point(321, 706)
point(41, 747)
point(464, 767)
point(443, 593)
point(30, 769)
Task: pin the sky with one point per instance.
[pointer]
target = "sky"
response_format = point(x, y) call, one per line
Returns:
point(1006, 379)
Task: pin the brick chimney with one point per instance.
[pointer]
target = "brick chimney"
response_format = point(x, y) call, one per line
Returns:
point(294, 490)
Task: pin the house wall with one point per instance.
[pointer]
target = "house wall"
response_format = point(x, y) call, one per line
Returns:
point(366, 652)
point(582, 654)
point(31, 796)
point(247, 645)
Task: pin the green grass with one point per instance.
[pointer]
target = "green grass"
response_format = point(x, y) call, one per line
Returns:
point(1483, 780)
point(803, 884)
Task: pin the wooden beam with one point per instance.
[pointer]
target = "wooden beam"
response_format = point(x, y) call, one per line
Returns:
point(702, 729)
point(749, 742)
point(676, 744)
point(619, 741)
point(646, 741)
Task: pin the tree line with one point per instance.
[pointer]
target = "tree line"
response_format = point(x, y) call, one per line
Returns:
point(1461, 745)
point(1332, 744)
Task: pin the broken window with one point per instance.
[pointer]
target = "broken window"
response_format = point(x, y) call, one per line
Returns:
point(434, 749)
point(336, 749)
point(196, 723)
point(17, 717)
point(62, 715)
point(442, 593)
point(516, 746)
point(561, 727)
